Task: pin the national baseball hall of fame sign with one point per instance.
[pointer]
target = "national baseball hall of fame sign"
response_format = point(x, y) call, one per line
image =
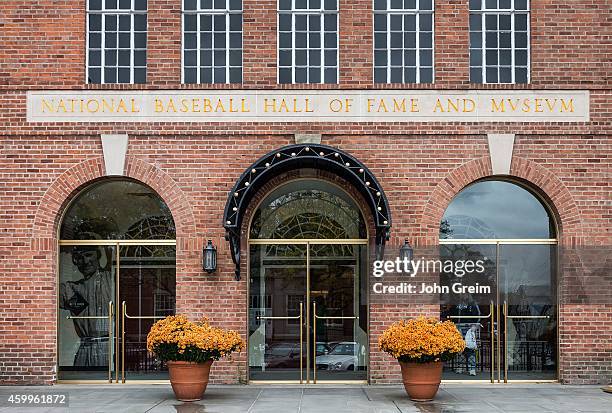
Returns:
point(308, 106)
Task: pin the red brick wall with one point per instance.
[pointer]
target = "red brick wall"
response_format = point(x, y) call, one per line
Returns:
point(420, 165)
point(193, 174)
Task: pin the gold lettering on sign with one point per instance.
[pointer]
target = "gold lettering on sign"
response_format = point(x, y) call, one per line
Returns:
point(338, 105)
point(199, 105)
point(465, 105)
point(93, 105)
point(396, 105)
point(537, 105)
point(567, 106)
point(294, 105)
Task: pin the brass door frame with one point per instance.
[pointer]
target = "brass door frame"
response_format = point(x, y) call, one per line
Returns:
point(117, 244)
point(304, 324)
point(500, 310)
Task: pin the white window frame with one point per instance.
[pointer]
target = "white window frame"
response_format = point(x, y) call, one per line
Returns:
point(308, 11)
point(512, 12)
point(115, 12)
point(212, 12)
point(403, 12)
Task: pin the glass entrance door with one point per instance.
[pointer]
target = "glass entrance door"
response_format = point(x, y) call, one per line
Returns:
point(147, 292)
point(307, 311)
point(107, 304)
point(515, 326)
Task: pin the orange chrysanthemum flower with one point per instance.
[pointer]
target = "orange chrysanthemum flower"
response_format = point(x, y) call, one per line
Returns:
point(175, 338)
point(421, 340)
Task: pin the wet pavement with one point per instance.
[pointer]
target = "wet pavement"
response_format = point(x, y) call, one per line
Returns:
point(452, 398)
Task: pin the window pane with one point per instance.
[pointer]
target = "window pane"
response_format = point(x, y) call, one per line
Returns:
point(410, 75)
point(520, 57)
point(520, 75)
point(94, 75)
point(476, 75)
point(206, 75)
point(484, 209)
point(331, 76)
point(426, 75)
point(191, 75)
point(396, 75)
point(236, 75)
point(284, 75)
point(491, 73)
point(505, 75)
point(284, 58)
point(314, 75)
point(95, 58)
point(380, 75)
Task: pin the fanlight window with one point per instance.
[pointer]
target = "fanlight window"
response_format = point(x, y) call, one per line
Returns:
point(118, 210)
point(308, 209)
point(496, 210)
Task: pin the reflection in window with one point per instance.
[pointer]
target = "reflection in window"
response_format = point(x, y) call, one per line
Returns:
point(403, 41)
point(496, 209)
point(118, 209)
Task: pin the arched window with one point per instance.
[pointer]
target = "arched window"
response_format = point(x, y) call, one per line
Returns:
point(118, 210)
point(496, 210)
point(308, 209)
point(117, 275)
point(506, 235)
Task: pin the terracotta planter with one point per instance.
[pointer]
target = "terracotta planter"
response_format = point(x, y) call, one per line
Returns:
point(421, 380)
point(189, 380)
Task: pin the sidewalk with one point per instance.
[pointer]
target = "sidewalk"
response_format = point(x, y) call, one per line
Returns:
point(452, 398)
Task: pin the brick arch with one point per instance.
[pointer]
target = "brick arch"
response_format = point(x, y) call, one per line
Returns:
point(556, 194)
point(73, 180)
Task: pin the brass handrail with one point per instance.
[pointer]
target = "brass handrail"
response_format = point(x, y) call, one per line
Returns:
point(125, 315)
point(298, 317)
point(110, 332)
point(314, 335)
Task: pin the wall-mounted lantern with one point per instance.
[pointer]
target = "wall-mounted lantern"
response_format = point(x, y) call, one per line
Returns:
point(209, 258)
point(406, 253)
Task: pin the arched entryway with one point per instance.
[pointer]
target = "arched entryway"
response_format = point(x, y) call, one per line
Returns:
point(511, 329)
point(307, 255)
point(117, 275)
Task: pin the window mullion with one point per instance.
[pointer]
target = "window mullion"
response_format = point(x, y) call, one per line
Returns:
point(483, 47)
point(321, 46)
point(132, 45)
point(528, 51)
point(227, 49)
point(103, 49)
point(388, 46)
point(418, 47)
point(512, 48)
point(293, 36)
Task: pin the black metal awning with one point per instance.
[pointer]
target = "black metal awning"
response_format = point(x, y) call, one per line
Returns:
point(299, 156)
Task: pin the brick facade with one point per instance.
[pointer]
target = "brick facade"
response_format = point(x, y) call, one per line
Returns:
point(421, 166)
